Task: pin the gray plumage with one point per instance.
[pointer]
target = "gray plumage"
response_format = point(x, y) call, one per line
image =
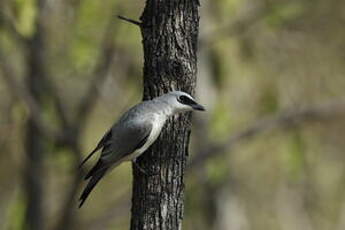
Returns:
point(135, 131)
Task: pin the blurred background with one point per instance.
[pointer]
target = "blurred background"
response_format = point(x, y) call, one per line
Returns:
point(267, 154)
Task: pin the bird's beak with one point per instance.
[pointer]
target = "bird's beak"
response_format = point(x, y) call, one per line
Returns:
point(198, 107)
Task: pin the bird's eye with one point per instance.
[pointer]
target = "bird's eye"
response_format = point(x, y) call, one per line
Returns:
point(183, 99)
point(186, 100)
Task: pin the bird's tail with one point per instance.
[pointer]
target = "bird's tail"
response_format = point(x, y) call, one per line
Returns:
point(91, 184)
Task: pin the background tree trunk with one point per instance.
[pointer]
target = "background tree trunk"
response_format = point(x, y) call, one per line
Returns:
point(35, 140)
point(170, 31)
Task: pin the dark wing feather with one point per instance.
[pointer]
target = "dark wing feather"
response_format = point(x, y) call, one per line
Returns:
point(92, 183)
point(125, 140)
point(102, 164)
point(102, 143)
point(94, 169)
point(142, 142)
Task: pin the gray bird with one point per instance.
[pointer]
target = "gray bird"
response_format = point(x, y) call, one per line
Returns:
point(135, 131)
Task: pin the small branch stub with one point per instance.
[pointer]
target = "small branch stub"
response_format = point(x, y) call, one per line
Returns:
point(137, 23)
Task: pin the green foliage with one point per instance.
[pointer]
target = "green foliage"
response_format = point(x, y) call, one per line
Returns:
point(25, 12)
point(226, 8)
point(297, 155)
point(93, 16)
point(281, 14)
point(15, 213)
point(221, 121)
point(269, 100)
point(218, 171)
point(293, 153)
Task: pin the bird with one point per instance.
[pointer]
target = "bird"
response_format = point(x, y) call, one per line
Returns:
point(135, 131)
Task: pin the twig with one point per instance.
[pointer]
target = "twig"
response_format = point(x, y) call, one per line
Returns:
point(60, 107)
point(137, 23)
point(286, 119)
point(36, 52)
point(22, 93)
point(99, 75)
point(237, 27)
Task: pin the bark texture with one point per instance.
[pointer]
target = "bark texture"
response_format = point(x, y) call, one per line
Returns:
point(170, 31)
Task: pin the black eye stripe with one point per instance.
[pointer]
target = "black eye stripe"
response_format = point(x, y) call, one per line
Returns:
point(186, 100)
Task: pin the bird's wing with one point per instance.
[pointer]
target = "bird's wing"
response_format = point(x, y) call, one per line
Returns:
point(125, 139)
point(101, 144)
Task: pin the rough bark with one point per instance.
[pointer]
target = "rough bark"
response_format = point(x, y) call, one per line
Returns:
point(170, 31)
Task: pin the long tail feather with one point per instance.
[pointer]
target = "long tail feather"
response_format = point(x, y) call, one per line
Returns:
point(94, 170)
point(88, 157)
point(90, 186)
point(101, 144)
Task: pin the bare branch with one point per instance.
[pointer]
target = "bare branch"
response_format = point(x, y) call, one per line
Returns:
point(23, 94)
point(237, 27)
point(134, 22)
point(60, 107)
point(98, 76)
point(36, 51)
point(286, 119)
point(90, 98)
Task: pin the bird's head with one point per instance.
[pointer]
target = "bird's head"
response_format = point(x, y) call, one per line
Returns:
point(181, 102)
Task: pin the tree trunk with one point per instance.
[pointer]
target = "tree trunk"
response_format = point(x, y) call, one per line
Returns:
point(34, 142)
point(34, 139)
point(170, 31)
